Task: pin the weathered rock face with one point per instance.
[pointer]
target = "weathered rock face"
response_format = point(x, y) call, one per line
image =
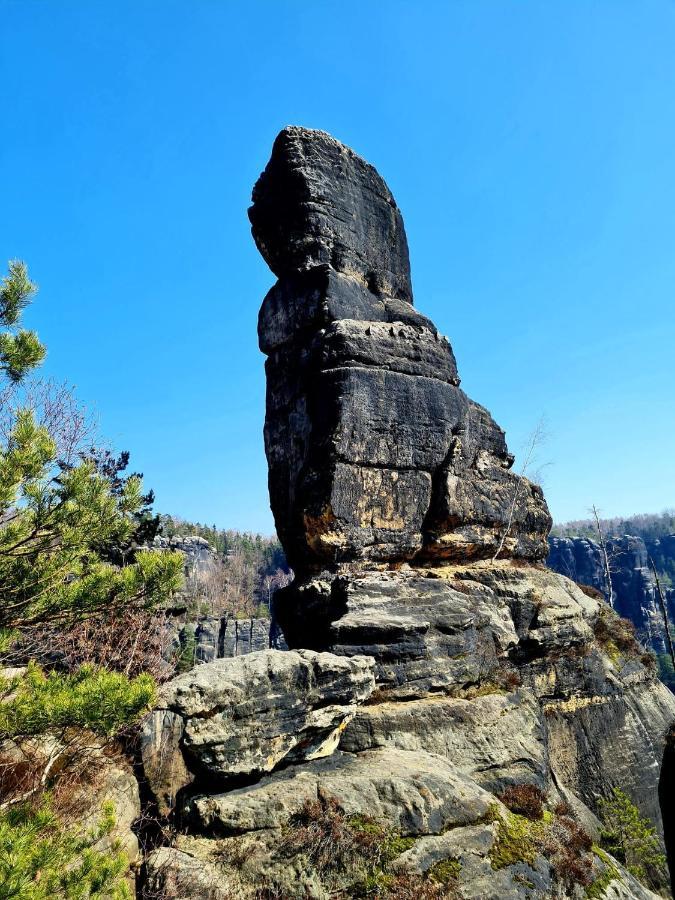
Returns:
point(301, 221)
point(495, 678)
point(234, 719)
point(374, 451)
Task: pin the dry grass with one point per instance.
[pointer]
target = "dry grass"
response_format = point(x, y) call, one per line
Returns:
point(617, 636)
point(567, 846)
point(530, 830)
point(590, 591)
point(352, 856)
point(525, 800)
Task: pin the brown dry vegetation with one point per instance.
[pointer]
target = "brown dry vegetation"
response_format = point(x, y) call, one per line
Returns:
point(352, 856)
point(525, 799)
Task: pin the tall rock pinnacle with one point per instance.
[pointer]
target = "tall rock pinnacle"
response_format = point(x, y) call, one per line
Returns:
point(374, 451)
point(426, 698)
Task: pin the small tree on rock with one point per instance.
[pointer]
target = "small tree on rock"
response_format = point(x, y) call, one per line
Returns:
point(629, 837)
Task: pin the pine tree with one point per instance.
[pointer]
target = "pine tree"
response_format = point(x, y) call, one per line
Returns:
point(629, 837)
point(59, 524)
point(20, 350)
point(61, 530)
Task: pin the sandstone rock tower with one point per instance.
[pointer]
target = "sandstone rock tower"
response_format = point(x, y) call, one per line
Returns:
point(393, 493)
point(374, 451)
point(431, 679)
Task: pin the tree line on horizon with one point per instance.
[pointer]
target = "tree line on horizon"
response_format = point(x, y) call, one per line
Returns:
point(648, 526)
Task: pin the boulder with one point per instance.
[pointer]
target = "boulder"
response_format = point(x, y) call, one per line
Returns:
point(415, 793)
point(171, 872)
point(238, 718)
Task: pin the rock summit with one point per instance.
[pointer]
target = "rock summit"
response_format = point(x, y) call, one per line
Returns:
point(374, 451)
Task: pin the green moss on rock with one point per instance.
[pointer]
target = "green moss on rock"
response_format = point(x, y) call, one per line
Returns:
point(446, 871)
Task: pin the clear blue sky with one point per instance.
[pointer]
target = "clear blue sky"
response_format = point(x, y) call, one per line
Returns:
point(530, 146)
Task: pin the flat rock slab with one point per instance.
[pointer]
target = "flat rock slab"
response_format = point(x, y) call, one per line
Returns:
point(498, 739)
point(416, 793)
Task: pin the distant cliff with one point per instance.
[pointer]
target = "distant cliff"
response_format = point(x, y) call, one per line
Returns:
point(631, 545)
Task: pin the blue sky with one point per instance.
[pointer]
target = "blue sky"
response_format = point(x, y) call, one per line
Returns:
point(530, 146)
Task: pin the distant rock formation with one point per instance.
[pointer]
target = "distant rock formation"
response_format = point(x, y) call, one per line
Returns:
point(209, 637)
point(374, 451)
point(199, 563)
point(223, 637)
point(633, 581)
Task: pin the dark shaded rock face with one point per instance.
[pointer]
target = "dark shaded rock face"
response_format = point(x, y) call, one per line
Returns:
point(374, 451)
point(318, 203)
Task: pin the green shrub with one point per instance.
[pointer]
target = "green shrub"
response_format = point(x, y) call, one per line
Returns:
point(629, 837)
point(518, 840)
point(556, 836)
point(446, 871)
point(185, 659)
point(90, 698)
point(617, 636)
point(41, 859)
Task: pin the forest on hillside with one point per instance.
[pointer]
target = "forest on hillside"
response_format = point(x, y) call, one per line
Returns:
point(244, 572)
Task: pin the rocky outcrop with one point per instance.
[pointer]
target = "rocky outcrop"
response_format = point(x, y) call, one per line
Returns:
point(236, 719)
point(528, 695)
point(204, 638)
point(200, 562)
point(418, 793)
point(374, 451)
point(417, 555)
